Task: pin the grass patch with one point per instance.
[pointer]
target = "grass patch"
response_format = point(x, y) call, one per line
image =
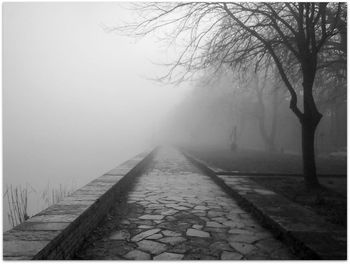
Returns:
point(258, 161)
point(325, 202)
point(330, 203)
point(18, 200)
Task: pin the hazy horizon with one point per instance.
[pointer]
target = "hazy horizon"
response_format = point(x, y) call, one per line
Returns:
point(76, 99)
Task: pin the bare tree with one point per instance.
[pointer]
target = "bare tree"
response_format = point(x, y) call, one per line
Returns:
point(235, 33)
point(264, 92)
point(302, 30)
point(261, 88)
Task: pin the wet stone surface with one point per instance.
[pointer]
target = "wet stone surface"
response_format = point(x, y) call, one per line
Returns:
point(175, 212)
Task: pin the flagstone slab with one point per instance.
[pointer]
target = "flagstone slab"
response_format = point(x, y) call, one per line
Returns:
point(178, 207)
point(172, 240)
point(228, 255)
point(145, 226)
point(144, 234)
point(152, 217)
point(169, 212)
point(197, 233)
point(137, 255)
point(170, 233)
point(151, 246)
point(201, 207)
point(169, 256)
point(155, 236)
point(199, 227)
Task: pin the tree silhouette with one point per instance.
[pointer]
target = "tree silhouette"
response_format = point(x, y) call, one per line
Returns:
point(293, 35)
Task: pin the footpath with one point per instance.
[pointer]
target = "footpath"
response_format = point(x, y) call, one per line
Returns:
point(174, 211)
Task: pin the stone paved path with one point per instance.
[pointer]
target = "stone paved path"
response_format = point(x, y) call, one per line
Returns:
point(175, 212)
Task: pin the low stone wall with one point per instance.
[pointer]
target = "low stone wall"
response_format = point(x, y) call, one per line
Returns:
point(58, 231)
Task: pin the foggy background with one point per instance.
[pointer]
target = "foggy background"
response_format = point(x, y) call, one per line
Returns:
point(76, 99)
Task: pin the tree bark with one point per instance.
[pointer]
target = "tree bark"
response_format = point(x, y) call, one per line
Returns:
point(309, 163)
point(309, 121)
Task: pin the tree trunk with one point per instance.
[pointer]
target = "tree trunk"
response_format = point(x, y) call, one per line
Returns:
point(309, 122)
point(309, 163)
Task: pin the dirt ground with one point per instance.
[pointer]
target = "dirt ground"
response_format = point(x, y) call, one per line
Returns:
point(330, 202)
point(326, 202)
point(264, 162)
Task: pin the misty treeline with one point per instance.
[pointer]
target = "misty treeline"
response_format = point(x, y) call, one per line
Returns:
point(257, 108)
point(295, 52)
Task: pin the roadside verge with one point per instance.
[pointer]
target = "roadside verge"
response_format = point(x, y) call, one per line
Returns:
point(304, 231)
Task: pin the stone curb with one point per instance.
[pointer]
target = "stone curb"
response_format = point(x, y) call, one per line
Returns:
point(274, 174)
point(309, 236)
point(58, 231)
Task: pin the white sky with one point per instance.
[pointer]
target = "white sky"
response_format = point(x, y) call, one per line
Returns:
point(74, 102)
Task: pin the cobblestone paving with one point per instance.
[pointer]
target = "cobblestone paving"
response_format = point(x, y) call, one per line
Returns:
point(175, 212)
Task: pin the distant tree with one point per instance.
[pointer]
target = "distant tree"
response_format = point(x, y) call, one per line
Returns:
point(264, 85)
point(214, 34)
point(256, 96)
point(331, 98)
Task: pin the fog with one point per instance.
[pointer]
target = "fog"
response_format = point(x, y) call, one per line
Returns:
point(221, 103)
point(80, 98)
point(77, 100)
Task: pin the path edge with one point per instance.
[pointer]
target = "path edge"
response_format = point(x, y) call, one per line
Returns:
point(298, 245)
